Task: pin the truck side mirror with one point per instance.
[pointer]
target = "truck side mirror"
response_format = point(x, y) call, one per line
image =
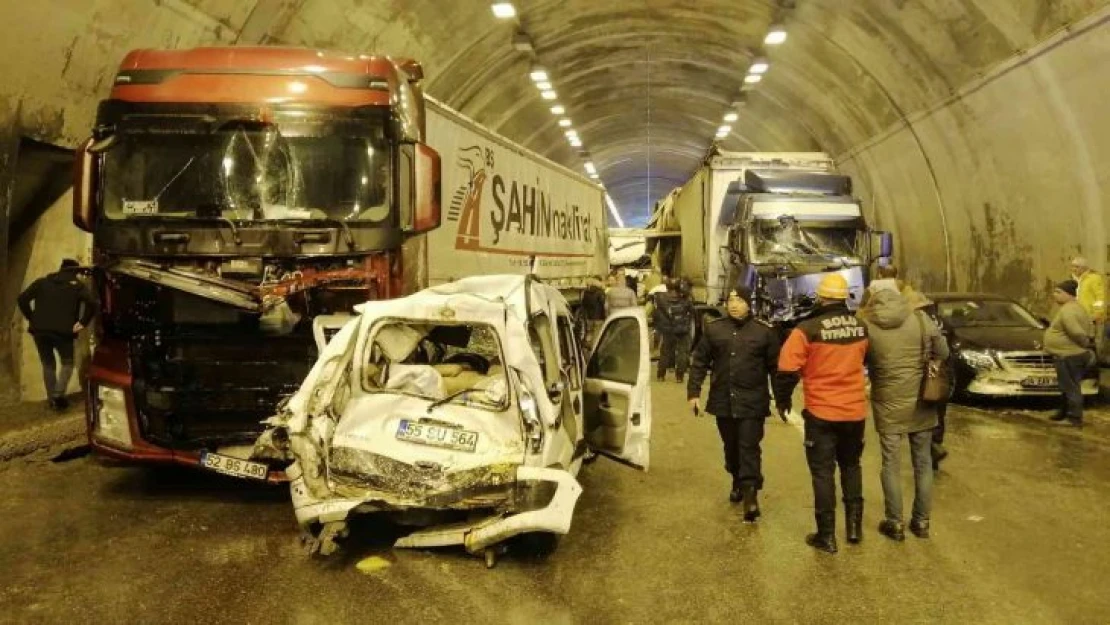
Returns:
point(86, 171)
point(884, 241)
point(420, 194)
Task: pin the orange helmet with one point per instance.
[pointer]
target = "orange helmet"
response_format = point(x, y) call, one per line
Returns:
point(833, 286)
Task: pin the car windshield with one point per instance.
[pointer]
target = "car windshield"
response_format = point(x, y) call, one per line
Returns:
point(985, 313)
point(453, 363)
point(245, 170)
point(788, 240)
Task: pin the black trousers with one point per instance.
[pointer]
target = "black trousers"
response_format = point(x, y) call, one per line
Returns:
point(1069, 374)
point(830, 444)
point(674, 352)
point(938, 432)
point(55, 378)
point(743, 457)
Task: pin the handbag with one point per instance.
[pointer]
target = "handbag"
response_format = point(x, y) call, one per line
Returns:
point(936, 382)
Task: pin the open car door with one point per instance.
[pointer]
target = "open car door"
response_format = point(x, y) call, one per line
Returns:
point(617, 394)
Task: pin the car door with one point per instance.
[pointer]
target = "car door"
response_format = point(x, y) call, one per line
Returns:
point(617, 392)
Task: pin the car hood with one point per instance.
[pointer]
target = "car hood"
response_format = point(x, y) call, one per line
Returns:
point(1001, 338)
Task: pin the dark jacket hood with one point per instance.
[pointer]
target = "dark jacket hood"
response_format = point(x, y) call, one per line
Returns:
point(888, 310)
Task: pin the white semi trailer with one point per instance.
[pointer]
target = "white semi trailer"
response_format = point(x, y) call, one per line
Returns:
point(508, 210)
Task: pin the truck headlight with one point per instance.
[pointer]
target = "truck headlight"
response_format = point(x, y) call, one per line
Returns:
point(110, 414)
point(979, 359)
point(533, 425)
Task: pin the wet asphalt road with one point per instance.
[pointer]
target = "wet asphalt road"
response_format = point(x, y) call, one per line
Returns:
point(1020, 536)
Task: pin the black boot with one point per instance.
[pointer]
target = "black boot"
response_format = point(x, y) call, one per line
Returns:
point(892, 530)
point(825, 537)
point(751, 505)
point(737, 493)
point(853, 517)
point(920, 528)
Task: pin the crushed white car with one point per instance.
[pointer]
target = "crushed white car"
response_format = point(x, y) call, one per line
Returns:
point(467, 409)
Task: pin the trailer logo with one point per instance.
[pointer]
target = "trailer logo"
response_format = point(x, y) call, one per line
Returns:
point(519, 208)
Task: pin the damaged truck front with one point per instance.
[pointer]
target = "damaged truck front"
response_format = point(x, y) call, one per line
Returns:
point(234, 196)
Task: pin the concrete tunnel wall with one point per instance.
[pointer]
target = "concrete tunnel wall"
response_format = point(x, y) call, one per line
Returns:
point(970, 126)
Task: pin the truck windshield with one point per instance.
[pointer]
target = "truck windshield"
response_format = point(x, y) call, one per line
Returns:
point(787, 240)
point(249, 170)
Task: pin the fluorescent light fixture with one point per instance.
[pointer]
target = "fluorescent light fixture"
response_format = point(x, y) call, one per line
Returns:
point(731, 117)
point(576, 142)
point(613, 211)
point(558, 110)
point(549, 94)
point(503, 10)
point(725, 129)
point(594, 176)
point(565, 123)
point(571, 134)
point(538, 74)
point(776, 35)
point(590, 169)
point(751, 79)
point(759, 66)
point(544, 86)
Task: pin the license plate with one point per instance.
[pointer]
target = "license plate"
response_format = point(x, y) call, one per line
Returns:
point(1040, 382)
point(233, 466)
point(437, 436)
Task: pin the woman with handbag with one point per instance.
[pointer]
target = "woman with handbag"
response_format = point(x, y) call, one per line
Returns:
point(904, 358)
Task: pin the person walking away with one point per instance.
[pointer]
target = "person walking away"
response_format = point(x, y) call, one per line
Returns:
point(1092, 297)
point(619, 295)
point(901, 341)
point(650, 309)
point(741, 354)
point(57, 308)
point(674, 321)
point(593, 309)
point(1068, 340)
point(826, 353)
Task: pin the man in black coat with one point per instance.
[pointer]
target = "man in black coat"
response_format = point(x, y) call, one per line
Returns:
point(742, 352)
point(58, 307)
point(673, 320)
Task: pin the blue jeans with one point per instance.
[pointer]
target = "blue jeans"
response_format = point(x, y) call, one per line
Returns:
point(55, 378)
point(1069, 374)
point(922, 458)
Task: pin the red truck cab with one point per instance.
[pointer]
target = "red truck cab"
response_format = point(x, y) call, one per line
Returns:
point(234, 195)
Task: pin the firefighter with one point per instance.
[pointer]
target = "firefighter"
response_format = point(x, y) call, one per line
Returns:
point(826, 352)
point(741, 353)
point(674, 321)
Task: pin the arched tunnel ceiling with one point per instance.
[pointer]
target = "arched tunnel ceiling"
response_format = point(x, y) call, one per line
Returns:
point(646, 82)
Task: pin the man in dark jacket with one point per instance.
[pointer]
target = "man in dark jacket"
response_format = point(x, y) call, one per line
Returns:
point(57, 307)
point(593, 309)
point(742, 353)
point(674, 321)
point(826, 353)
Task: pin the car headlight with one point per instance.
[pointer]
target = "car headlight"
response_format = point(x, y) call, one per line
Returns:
point(110, 412)
point(533, 426)
point(979, 359)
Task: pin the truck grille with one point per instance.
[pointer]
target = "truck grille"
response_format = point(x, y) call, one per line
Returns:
point(1032, 362)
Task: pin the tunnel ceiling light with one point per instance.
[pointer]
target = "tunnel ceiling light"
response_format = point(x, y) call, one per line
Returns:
point(775, 36)
point(503, 10)
point(759, 66)
point(576, 142)
point(751, 79)
point(565, 123)
point(725, 129)
point(538, 74)
point(549, 94)
point(594, 176)
point(732, 116)
point(613, 211)
point(590, 169)
point(558, 110)
point(544, 86)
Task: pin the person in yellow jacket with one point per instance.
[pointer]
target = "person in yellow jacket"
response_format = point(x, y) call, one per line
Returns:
point(1092, 297)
